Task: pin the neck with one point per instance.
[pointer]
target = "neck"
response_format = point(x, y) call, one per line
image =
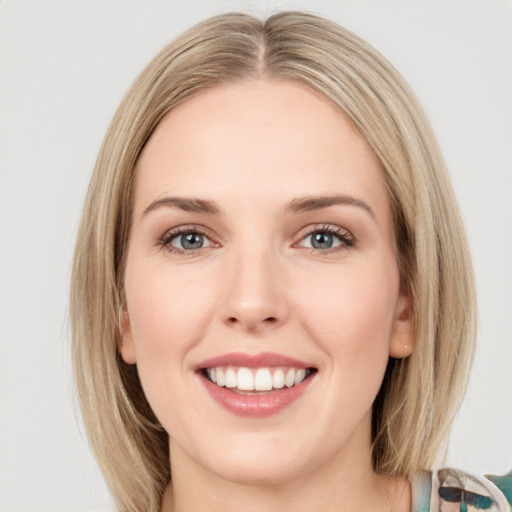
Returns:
point(379, 493)
point(344, 483)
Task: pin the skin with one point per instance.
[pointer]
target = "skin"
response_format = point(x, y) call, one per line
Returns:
point(257, 285)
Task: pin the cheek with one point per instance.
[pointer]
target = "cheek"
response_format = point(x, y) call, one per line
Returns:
point(167, 309)
point(350, 313)
point(169, 312)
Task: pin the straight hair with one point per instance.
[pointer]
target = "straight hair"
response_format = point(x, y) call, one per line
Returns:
point(419, 395)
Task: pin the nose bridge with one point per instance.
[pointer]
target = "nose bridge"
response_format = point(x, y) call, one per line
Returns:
point(255, 298)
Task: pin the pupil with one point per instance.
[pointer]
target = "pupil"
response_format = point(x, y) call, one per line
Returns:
point(322, 241)
point(192, 241)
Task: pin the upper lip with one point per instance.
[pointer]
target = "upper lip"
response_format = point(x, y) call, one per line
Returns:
point(265, 359)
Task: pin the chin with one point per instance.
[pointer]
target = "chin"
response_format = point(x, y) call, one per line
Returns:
point(257, 459)
point(266, 471)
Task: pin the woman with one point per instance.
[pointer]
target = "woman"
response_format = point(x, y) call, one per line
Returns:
point(272, 298)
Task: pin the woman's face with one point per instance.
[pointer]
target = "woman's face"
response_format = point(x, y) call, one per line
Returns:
point(261, 255)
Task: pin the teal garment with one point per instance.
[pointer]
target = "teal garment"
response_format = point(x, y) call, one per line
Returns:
point(451, 490)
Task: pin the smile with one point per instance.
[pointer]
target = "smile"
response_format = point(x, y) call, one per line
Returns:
point(255, 385)
point(242, 379)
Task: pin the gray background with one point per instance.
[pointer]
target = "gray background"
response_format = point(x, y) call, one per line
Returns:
point(64, 66)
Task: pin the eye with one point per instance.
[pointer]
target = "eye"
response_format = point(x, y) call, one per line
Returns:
point(184, 240)
point(326, 238)
point(189, 241)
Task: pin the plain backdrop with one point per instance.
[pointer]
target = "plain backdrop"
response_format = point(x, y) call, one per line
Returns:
point(64, 66)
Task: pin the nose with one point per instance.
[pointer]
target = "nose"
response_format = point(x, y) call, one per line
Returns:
point(255, 298)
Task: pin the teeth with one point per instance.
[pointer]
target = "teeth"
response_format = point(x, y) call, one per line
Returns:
point(212, 374)
point(230, 378)
point(278, 379)
point(245, 379)
point(289, 380)
point(299, 375)
point(262, 379)
point(221, 381)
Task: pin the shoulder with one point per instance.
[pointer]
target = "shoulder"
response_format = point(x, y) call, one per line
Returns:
point(434, 491)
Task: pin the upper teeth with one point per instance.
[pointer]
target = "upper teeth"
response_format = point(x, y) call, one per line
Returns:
point(256, 379)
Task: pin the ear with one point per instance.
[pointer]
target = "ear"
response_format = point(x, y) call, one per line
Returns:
point(124, 338)
point(401, 343)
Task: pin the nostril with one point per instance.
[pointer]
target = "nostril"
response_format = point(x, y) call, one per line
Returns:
point(233, 320)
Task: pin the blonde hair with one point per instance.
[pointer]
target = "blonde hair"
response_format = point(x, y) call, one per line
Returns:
point(420, 394)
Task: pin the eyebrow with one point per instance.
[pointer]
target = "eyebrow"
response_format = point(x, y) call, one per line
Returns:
point(311, 203)
point(185, 204)
point(297, 205)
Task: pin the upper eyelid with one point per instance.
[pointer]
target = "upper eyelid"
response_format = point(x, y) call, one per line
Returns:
point(318, 228)
point(185, 228)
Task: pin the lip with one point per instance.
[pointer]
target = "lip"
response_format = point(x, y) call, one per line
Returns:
point(265, 359)
point(254, 405)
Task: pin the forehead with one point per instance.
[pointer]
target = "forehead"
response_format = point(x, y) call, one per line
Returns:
point(263, 139)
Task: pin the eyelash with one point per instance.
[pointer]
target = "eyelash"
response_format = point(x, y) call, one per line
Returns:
point(344, 237)
point(171, 235)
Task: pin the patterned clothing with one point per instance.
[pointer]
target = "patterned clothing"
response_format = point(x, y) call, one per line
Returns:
point(451, 490)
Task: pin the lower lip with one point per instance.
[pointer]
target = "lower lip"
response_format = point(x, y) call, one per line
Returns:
point(257, 406)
